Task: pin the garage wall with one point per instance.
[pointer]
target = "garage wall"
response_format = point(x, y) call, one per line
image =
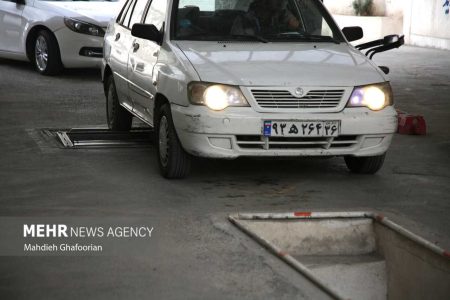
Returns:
point(388, 19)
point(426, 23)
point(374, 27)
point(345, 7)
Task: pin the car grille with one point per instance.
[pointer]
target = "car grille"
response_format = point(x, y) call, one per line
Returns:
point(284, 99)
point(270, 143)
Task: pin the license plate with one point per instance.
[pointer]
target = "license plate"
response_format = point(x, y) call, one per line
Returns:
point(301, 128)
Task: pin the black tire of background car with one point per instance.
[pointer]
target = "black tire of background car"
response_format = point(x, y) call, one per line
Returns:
point(119, 119)
point(365, 165)
point(179, 161)
point(54, 64)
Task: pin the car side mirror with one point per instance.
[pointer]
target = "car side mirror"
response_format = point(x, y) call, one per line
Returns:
point(147, 32)
point(385, 69)
point(353, 33)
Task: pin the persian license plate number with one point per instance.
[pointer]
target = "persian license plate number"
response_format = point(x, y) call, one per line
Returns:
point(301, 128)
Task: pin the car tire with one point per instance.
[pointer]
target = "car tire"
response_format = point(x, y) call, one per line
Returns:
point(174, 162)
point(365, 165)
point(47, 58)
point(118, 118)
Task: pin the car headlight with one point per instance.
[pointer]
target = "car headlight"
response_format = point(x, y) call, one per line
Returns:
point(83, 27)
point(215, 96)
point(375, 96)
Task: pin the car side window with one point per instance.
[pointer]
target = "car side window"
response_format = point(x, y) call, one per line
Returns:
point(127, 17)
point(138, 12)
point(123, 11)
point(156, 15)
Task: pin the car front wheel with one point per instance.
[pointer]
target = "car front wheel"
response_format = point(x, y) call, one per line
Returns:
point(174, 161)
point(365, 165)
point(47, 58)
point(119, 119)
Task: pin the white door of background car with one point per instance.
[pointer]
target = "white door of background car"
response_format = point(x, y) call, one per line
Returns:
point(120, 42)
point(11, 26)
point(143, 58)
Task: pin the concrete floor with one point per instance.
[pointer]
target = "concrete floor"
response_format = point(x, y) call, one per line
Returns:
point(197, 254)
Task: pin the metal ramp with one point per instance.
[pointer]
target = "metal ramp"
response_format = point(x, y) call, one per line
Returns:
point(81, 138)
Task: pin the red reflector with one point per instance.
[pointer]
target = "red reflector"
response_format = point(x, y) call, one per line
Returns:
point(302, 214)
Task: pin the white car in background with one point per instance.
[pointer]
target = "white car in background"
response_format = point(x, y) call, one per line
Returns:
point(55, 34)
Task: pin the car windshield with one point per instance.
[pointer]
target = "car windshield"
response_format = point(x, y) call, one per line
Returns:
point(256, 20)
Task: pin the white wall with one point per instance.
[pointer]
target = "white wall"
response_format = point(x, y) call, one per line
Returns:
point(395, 7)
point(345, 7)
point(388, 21)
point(426, 24)
point(374, 27)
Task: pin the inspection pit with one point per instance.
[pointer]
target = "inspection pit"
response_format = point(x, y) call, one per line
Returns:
point(89, 138)
point(354, 255)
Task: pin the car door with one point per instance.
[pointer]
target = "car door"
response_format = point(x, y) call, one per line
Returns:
point(11, 26)
point(120, 42)
point(143, 58)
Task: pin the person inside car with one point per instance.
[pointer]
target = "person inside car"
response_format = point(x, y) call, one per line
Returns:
point(266, 17)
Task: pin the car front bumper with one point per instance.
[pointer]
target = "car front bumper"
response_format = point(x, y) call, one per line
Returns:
point(71, 44)
point(238, 131)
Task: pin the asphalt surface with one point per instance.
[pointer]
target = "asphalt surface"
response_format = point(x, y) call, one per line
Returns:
point(197, 254)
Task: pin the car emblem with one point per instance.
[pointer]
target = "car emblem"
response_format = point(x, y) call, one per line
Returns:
point(299, 92)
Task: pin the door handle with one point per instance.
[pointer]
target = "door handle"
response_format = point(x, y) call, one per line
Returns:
point(135, 46)
point(117, 37)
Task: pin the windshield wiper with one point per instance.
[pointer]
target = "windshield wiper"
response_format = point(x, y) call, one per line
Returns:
point(196, 36)
point(252, 36)
point(324, 38)
point(203, 37)
point(306, 37)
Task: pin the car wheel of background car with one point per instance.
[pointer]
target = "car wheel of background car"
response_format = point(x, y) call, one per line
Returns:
point(173, 160)
point(365, 165)
point(119, 119)
point(47, 58)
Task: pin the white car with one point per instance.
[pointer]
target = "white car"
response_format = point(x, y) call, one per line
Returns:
point(55, 34)
point(243, 78)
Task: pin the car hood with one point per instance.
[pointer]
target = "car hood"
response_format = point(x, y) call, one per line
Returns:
point(280, 64)
point(96, 12)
